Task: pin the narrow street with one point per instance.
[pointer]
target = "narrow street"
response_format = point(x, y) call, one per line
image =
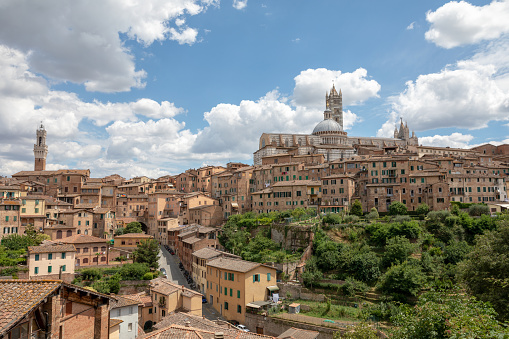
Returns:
point(171, 264)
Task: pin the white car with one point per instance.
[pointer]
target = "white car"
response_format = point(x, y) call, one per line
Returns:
point(243, 328)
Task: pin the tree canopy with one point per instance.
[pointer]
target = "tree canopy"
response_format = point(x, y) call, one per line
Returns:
point(147, 253)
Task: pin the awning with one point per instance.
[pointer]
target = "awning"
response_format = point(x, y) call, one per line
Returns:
point(273, 288)
point(258, 304)
point(235, 205)
point(253, 305)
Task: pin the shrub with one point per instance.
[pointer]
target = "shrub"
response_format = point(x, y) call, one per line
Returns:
point(134, 271)
point(350, 219)
point(401, 218)
point(352, 286)
point(405, 279)
point(148, 276)
point(91, 274)
point(478, 210)
point(356, 208)
point(397, 250)
point(331, 219)
point(422, 209)
point(397, 208)
point(373, 214)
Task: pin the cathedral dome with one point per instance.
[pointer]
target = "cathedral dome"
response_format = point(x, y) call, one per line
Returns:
point(327, 125)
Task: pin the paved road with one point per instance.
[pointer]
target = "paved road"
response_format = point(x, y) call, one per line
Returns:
point(171, 264)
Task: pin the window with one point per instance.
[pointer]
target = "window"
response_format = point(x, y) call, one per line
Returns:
point(36, 270)
point(49, 269)
point(63, 268)
point(23, 210)
point(63, 255)
point(225, 291)
point(37, 257)
point(225, 305)
point(268, 276)
point(239, 309)
point(150, 311)
point(238, 294)
point(7, 218)
point(256, 277)
point(50, 256)
point(130, 326)
point(231, 292)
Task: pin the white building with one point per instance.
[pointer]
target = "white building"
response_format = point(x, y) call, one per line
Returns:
point(125, 309)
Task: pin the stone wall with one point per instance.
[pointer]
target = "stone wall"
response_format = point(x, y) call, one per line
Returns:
point(292, 237)
point(133, 286)
point(298, 292)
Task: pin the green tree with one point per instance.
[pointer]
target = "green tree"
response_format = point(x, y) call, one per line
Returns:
point(133, 227)
point(134, 271)
point(373, 214)
point(356, 208)
point(147, 252)
point(11, 257)
point(485, 271)
point(447, 314)
point(119, 231)
point(360, 331)
point(478, 210)
point(312, 274)
point(259, 248)
point(331, 219)
point(397, 250)
point(422, 209)
point(16, 242)
point(406, 279)
point(397, 208)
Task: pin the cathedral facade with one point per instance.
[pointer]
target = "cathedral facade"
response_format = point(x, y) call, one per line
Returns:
point(329, 138)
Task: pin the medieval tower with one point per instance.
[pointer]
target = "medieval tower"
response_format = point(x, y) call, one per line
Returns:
point(40, 150)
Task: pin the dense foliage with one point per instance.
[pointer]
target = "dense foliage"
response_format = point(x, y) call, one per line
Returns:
point(147, 252)
point(132, 227)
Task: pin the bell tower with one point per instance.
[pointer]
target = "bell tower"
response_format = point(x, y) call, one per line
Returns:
point(40, 149)
point(334, 105)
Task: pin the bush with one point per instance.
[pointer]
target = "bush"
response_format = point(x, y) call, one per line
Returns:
point(91, 274)
point(405, 279)
point(422, 209)
point(373, 214)
point(350, 219)
point(148, 276)
point(397, 250)
point(356, 208)
point(478, 210)
point(401, 218)
point(397, 208)
point(134, 271)
point(352, 286)
point(331, 219)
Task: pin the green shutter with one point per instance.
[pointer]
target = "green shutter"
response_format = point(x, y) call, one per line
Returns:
point(254, 277)
point(238, 294)
point(225, 291)
point(231, 292)
point(268, 276)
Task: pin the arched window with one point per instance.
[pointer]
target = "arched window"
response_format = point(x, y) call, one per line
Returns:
point(77, 262)
point(94, 259)
point(103, 249)
point(85, 260)
point(79, 232)
point(103, 258)
point(69, 233)
point(59, 234)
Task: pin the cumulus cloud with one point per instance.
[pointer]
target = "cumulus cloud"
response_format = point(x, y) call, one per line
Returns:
point(239, 4)
point(455, 140)
point(311, 85)
point(84, 44)
point(465, 95)
point(460, 23)
point(411, 26)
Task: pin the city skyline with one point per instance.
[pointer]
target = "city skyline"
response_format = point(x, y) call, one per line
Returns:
point(134, 91)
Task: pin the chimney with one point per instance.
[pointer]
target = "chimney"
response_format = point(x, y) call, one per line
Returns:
point(187, 323)
point(219, 335)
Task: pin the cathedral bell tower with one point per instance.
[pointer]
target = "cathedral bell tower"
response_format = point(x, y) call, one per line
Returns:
point(334, 106)
point(40, 150)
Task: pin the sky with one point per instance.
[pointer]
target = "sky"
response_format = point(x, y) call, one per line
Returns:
point(154, 87)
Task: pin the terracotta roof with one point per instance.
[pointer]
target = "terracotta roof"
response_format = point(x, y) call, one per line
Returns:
point(115, 322)
point(19, 297)
point(135, 235)
point(233, 264)
point(192, 240)
point(87, 205)
point(205, 229)
point(83, 239)
point(205, 327)
point(207, 253)
point(297, 333)
point(118, 301)
point(142, 298)
point(48, 173)
point(51, 248)
point(164, 286)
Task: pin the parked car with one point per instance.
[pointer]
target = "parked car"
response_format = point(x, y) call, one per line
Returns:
point(203, 300)
point(243, 328)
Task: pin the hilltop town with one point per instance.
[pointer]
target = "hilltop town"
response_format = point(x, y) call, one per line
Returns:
point(303, 243)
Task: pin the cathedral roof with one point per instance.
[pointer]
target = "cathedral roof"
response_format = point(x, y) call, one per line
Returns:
point(327, 125)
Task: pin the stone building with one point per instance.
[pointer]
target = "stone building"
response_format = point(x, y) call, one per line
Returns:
point(329, 138)
point(40, 150)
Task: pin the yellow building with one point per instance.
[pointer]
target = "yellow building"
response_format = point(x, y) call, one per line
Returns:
point(33, 212)
point(199, 265)
point(232, 284)
point(168, 297)
point(130, 241)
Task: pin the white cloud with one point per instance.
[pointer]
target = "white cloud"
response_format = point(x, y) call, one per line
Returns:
point(79, 41)
point(64, 150)
point(460, 23)
point(455, 140)
point(311, 85)
point(296, 40)
point(465, 96)
point(152, 109)
point(411, 26)
point(239, 4)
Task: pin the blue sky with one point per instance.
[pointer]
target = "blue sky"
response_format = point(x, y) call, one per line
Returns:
point(156, 87)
